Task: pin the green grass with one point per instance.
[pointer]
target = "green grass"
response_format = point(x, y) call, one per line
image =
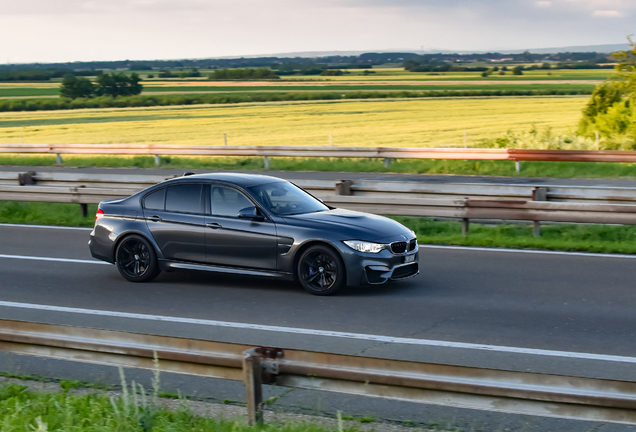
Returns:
point(28, 92)
point(563, 237)
point(38, 213)
point(605, 170)
point(354, 87)
point(23, 410)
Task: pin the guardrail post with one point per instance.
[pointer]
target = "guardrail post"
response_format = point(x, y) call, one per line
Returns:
point(343, 187)
point(518, 166)
point(387, 162)
point(538, 194)
point(253, 381)
point(58, 159)
point(266, 162)
point(465, 226)
point(157, 160)
point(84, 209)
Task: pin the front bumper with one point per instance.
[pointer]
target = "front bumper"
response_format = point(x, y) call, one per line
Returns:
point(376, 269)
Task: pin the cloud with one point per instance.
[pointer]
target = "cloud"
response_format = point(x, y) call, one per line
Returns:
point(544, 3)
point(608, 14)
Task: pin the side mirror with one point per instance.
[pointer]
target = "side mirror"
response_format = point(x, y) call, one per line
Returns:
point(250, 213)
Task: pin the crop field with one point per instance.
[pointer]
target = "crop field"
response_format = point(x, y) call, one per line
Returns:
point(423, 122)
point(199, 89)
point(383, 80)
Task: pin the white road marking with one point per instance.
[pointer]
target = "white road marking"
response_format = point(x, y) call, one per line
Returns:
point(528, 251)
point(23, 257)
point(45, 226)
point(336, 334)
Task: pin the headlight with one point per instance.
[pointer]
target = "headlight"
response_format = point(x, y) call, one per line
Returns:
point(362, 246)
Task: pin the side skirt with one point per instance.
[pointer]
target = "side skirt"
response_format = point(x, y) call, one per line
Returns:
point(173, 265)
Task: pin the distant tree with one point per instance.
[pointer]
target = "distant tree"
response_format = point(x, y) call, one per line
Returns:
point(502, 72)
point(495, 69)
point(505, 68)
point(517, 70)
point(485, 74)
point(118, 84)
point(331, 72)
point(166, 74)
point(74, 87)
point(150, 76)
point(243, 74)
point(545, 66)
point(139, 67)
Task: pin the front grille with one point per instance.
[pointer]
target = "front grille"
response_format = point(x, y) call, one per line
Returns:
point(412, 245)
point(398, 247)
point(405, 271)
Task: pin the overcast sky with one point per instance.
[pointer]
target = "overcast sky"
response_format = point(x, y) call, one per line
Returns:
point(73, 30)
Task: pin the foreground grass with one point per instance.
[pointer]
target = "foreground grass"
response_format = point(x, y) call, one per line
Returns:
point(23, 410)
point(588, 170)
point(563, 237)
point(387, 123)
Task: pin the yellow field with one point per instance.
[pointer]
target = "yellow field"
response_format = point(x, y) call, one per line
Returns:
point(406, 123)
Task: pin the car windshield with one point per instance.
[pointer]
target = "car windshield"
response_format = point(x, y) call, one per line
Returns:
point(285, 199)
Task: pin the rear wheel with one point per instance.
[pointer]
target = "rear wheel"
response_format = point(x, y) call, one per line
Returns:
point(321, 270)
point(136, 259)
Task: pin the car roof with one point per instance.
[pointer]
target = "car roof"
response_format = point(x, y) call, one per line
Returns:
point(239, 179)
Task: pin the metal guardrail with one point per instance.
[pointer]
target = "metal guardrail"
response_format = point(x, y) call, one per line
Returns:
point(577, 204)
point(528, 393)
point(386, 153)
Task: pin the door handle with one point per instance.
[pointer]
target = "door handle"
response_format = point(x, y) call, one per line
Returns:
point(154, 218)
point(213, 225)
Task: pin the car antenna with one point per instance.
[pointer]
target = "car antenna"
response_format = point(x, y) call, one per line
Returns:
point(187, 173)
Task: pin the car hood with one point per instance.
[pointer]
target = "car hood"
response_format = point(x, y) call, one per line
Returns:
point(351, 225)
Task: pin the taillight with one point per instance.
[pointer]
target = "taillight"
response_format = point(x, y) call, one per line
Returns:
point(99, 215)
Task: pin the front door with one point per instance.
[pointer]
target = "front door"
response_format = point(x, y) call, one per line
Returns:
point(235, 242)
point(176, 219)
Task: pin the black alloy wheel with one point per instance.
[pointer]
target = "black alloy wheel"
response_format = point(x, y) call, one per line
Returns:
point(136, 259)
point(321, 270)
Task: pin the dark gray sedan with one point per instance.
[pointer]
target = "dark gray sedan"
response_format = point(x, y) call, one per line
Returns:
point(252, 225)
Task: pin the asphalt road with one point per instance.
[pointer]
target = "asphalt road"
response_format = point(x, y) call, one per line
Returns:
point(558, 302)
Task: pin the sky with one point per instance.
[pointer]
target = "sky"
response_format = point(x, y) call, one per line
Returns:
point(85, 30)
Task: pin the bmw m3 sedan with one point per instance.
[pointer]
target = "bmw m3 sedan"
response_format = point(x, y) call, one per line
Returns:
point(251, 225)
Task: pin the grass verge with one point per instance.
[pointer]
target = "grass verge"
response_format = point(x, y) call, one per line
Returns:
point(22, 409)
point(561, 237)
point(403, 166)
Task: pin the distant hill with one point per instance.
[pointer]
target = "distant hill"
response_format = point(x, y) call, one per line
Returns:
point(607, 48)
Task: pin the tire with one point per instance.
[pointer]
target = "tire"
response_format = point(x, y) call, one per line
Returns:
point(136, 259)
point(321, 271)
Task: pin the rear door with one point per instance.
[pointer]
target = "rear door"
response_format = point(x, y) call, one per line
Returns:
point(235, 242)
point(176, 218)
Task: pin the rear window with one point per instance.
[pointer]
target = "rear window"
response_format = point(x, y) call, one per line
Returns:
point(156, 200)
point(185, 198)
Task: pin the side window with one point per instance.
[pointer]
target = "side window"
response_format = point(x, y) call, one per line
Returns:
point(228, 201)
point(184, 198)
point(156, 200)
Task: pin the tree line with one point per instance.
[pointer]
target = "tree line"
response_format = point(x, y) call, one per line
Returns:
point(113, 85)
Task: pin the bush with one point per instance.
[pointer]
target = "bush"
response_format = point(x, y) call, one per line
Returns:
point(331, 72)
point(243, 74)
point(517, 70)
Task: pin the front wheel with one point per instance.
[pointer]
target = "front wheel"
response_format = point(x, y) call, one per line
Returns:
point(321, 270)
point(136, 259)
